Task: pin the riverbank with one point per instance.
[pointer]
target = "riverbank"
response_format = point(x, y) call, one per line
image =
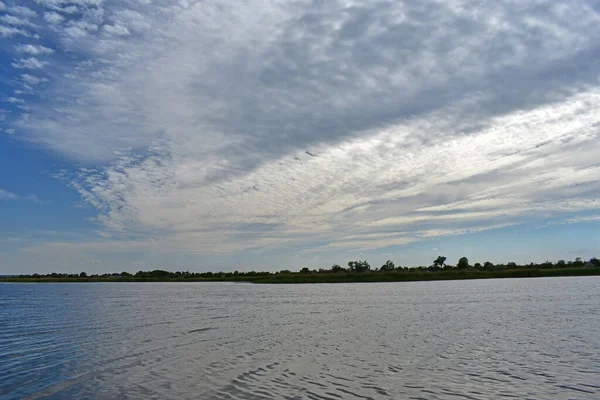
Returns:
point(340, 277)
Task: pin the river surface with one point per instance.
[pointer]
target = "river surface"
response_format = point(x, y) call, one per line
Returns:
point(484, 339)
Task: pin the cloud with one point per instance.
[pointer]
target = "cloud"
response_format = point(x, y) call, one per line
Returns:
point(2, 6)
point(14, 100)
point(71, 9)
point(8, 31)
point(29, 63)
point(53, 18)
point(23, 11)
point(5, 195)
point(79, 29)
point(34, 199)
point(118, 30)
point(32, 80)
point(11, 196)
point(321, 125)
point(16, 21)
point(307, 201)
point(577, 220)
point(54, 3)
point(34, 50)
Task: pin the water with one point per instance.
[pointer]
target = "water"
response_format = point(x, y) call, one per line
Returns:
point(527, 338)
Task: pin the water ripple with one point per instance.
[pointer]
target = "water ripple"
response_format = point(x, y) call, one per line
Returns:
point(430, 340)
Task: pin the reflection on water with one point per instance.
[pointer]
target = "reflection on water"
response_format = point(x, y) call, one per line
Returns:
point(528, 338)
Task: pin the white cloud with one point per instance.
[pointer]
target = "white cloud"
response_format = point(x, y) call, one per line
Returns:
point(2, 6)
point(576, 220)
point(8, 31)
point(53, 18)
point(62, 3)
point(16, 21)
point(65, 9)
point(271, 124)
point(15, 100)
point(34, 50)
point(29, 63)
point(6, 195)
point(132, 20)
point(118, 30)
point(24, 11)
point(32, 80)
point(79, 29)
point(306, 196)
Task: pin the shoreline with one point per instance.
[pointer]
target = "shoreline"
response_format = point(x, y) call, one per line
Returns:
point(344, 277)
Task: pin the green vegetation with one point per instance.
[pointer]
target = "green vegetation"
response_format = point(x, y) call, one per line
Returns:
point(357, 271)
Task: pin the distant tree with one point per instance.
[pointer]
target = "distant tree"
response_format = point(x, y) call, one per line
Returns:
point(83, 275)
point(477, 265)
point(359, 266)
point(336, 268)
point(547, 264)
point(305, 270)
point(388, 266)
point(125, 274)
point(561, 263)
point(463, 263)
point(578, 262)
point(439, 262)
point(511, 265)
point(595, 262)
point(488, 266)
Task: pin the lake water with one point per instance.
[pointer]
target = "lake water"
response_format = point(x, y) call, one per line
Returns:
point(511, 338)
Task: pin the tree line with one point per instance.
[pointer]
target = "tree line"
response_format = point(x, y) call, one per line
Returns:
point(354, 267)
point(439, 264)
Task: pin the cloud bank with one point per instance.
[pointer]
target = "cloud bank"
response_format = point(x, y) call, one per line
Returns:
point(220, 126)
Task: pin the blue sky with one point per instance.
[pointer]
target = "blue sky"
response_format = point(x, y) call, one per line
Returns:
point(223, 135)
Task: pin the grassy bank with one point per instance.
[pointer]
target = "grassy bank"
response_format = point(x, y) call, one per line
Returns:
point(128, 279)
point(427, 276)
point(340, 277)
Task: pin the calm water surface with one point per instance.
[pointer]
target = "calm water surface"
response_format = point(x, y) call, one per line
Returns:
point(527, 338)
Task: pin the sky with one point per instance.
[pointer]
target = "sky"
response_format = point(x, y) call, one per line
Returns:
point(267, 135)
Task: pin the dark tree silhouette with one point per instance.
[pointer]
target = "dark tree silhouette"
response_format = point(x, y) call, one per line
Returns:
point(336, 268)
point(388, 266)
point(359, 266)
point(463, 263)
point(439, 262)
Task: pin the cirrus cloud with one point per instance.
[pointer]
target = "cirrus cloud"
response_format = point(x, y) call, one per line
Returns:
point(29, 63)
point(226, 126)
